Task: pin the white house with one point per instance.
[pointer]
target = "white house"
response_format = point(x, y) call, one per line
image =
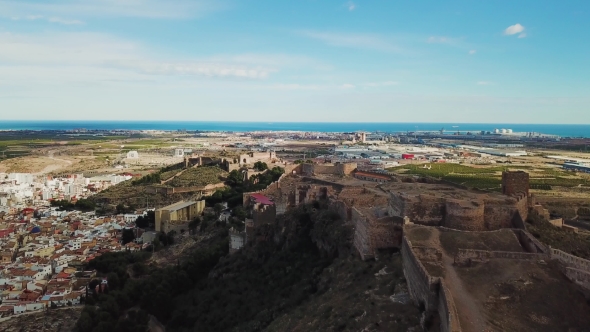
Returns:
point(20, 308)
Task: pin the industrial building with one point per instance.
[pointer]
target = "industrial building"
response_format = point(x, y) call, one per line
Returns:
point(577, 167)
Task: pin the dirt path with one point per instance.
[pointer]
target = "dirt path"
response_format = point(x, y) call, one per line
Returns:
point(471, 317)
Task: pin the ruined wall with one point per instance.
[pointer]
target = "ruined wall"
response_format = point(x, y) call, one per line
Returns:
point(575, 268)
point(263, 214)
point(422, 287)
point(466, 256)
point(522, 205)
point(328, 169)
point(427, 291)
point(385, 233)
point(343, 210)
point(427, 254)
point(421, 209)
point(530, 243)
point(210, 188)
point(449, 318)
point(570, 260)
point(362, 240)
point(253, 157)
point(499, 215)
point(464, 215)
point(346, 168)
point(580, 277)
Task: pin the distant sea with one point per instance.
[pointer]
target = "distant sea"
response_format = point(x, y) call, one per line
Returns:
point(552, 129)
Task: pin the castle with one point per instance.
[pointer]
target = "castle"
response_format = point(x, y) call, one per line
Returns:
point(396, 214)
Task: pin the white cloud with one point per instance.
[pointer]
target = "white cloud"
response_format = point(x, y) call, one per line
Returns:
point(522, 35)
point(484, 83)
point(110, 8)
point(351, 6)
point(438, 40)
point(58, 20)
point(105, 57)
point(348, 86)
point(354, 40)
point(64, 21)
point(206, 69)
point(514, 29)
point(379, 84)
point(472, 52)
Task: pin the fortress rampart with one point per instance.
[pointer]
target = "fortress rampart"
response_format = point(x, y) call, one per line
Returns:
point(464, 215)
point(473, 214)
point(329, 169)
point(427, 291)
point(467, 256)
point(206, 190)
point(449, 318)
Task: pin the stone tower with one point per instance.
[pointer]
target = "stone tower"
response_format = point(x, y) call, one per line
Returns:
point(515, 183)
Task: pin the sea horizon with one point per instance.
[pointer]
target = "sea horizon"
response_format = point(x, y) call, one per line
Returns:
point(563, 130)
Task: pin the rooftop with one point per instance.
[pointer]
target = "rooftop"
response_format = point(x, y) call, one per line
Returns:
point(178, 205)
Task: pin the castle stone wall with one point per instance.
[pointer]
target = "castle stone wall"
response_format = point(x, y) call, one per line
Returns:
point(465, 215)
point(530, 243)
point(421, 209)
point(466, 256)
point(362, 239)
point(422, 287)
point(328, 169)
point(580, 277)
point(449, 318)
point(514, 183)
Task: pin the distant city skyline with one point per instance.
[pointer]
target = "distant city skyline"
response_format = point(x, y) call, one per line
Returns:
point(304, 61)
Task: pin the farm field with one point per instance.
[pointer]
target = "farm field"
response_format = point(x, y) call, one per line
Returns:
point(541, 178)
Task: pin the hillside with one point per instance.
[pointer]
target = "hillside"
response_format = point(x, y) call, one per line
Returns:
point(199, 176)
point(283, 282)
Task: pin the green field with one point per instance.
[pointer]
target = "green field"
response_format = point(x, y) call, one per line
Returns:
point(491, 177)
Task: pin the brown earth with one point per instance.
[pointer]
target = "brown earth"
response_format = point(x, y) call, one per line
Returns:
point(56, 320)
point(359, 298)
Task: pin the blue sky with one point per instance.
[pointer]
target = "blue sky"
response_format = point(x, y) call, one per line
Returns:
point(307, 60)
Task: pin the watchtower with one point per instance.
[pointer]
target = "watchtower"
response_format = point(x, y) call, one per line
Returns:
point(516, 182)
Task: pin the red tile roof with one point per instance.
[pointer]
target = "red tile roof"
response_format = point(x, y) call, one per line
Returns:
point(259, 198)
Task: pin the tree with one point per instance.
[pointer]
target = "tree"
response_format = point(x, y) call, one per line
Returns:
point(113, 280)
point(260, 166)
point(239, 212)
point(234, 178)
point(85, 205)
point(192, 226)
point(218, 208)
point(121, 208)
point(142, 222)
point(127, 236)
